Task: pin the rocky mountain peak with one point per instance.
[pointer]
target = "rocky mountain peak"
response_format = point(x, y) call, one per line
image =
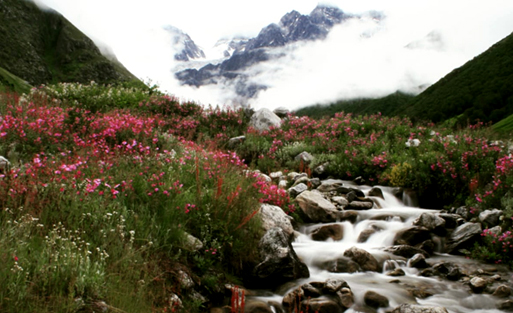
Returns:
point(187, 48)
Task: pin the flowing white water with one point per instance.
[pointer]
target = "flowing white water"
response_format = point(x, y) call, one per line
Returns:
point(392, 217)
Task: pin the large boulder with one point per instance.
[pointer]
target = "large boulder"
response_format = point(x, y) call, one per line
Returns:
point(462, 237)
point(366, 260)
point(316, 207)
point(280, 262)
point(273, 216)
point(415, 308)
point(264, 119)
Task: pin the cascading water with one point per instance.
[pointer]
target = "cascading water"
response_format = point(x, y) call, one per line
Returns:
point(392, 217)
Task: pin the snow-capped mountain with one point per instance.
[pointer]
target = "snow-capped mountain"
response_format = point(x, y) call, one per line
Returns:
point(240, 54)
point(187, 49)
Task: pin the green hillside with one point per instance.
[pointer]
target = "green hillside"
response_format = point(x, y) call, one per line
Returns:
point(43, 47)
point(389, 105)
point(10, 82)
point(482, 89)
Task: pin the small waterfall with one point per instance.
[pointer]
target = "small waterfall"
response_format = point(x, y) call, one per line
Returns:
point(379, 227)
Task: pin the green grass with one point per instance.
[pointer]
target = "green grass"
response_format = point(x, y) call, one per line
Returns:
point(505, 125)
point(11, 82)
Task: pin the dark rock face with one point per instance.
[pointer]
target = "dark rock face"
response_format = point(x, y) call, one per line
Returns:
point(42, 47)
point(293, 27)
point(412, 236)
point(280, 262)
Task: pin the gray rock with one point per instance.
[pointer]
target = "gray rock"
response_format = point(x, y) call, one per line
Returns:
point(490, 218)
point(281, 112)
point(366, 233)
point(4, 165)
point(418, 261)
point(283, 184)
point(330, 185)
point(280, 263)
point(462, 236)
point(412, 236)
point(342, 201)
point(316, 182)
point(236, 141)
point(503, 291)
point(360, 205)
point(256, 306)
point(376, 192)
point(415, 308)
point(432, 222)
point(273, 216)
point(375, 300)
point(342, 265)
point(451, 220)
point(396, 272)
point(192, 243)
point(276, 176)
point(264, 119)
point(477, 284)
point(316, 207)
point(506, 306)
point(366, 260)
point(406, 251)
point(305, 157)
point(297, 189)
point(463, 212)
point(333, 231)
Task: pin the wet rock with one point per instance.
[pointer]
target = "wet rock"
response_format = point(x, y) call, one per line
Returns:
point(360, 205)
point(316, 207)
point(264, 119)
point(502, 291)
point(351, 196)
point(350, 216)
point(428, 246)
point(342, 265)
point(236, 141)
point(333, 231)
point(280, 262)
point(454, 274)
point(428, 272)
point(376, 192)
point(375, 300)
point(273, 216)
point(415, 308)
point(342, 201)
point(412, 236)
point(462, 237)
point(506, 306)
point(366, 260)
point(366, 233)
point(330, 185)
point(451, 220)
point(463, 211)
point(432, 222)
point(304, 157)
point(257, 306)
point(359, 180)
point(418, 261)
point(405, 251)
point(477, 284)
point(396, 272)
point(490, 218)
point(336, 297)
point(297, 189)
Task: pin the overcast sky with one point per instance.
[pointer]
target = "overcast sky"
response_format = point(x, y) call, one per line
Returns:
point(345, 65)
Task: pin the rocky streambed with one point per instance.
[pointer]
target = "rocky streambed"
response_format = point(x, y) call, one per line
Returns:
point(363, 250)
